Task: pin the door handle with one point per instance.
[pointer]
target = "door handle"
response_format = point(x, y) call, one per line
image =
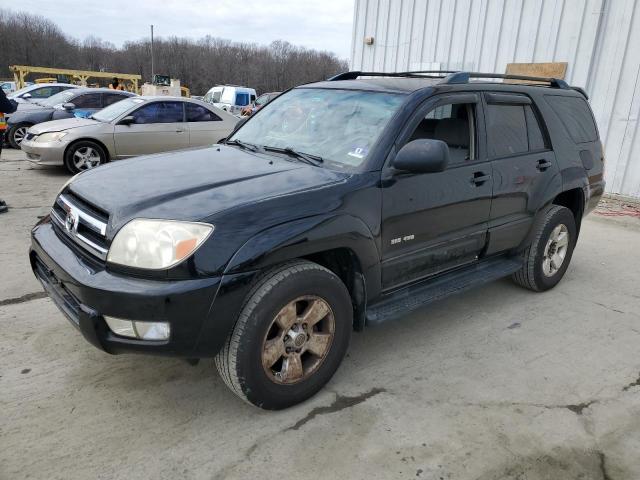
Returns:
point(479, 178)
point(543, 164)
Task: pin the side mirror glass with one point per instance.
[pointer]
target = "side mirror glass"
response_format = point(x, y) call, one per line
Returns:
point(422, 156)
point(69, 106)
point(26, 96)
point(128, 120)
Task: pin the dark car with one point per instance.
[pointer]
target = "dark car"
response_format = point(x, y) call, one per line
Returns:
point(77, 102)
point(340, 204)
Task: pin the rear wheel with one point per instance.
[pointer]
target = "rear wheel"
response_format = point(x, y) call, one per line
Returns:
point(16, 134)
point(546, 260)
point(84, 155)
point(290, 337)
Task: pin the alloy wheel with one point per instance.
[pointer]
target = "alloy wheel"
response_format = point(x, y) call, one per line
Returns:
point(298, 340)
point(85, 158)
point(555, 250)
point(19, 134)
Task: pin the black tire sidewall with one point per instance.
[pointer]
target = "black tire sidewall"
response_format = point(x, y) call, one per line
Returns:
point(68, 156)
point(256, 385)
point(562, 215)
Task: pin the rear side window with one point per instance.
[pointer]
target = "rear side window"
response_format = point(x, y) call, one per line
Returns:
point(536, 137)
point(197, 113)
point(576, 117)
point(91, 100)
point(506, 130)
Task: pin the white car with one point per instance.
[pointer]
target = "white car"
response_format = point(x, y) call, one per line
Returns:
point(38, 91)
point(231, 98)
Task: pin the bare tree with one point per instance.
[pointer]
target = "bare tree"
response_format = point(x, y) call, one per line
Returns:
point(27, 39)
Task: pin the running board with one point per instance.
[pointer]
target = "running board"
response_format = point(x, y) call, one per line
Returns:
point(401, 302)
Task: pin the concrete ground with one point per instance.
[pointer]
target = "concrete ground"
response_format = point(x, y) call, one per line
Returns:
point(497, 383)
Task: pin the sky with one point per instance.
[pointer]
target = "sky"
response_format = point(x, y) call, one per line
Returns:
point(318, 24)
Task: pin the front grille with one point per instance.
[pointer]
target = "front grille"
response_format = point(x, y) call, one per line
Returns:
point(82, 223)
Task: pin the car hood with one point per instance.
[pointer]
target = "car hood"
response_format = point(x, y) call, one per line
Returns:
point(194, 184)
point(66, 124)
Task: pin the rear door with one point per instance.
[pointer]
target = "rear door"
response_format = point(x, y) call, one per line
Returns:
point(523, 167)
point(158, 126)
point(205, 127)
point(432, 222)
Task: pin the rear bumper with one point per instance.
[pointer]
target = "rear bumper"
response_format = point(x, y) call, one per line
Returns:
point(85, 291)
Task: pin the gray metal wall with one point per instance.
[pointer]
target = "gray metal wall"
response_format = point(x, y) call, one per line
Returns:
point(600, 39)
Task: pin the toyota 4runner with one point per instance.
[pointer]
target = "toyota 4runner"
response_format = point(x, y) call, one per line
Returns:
point(340, 204)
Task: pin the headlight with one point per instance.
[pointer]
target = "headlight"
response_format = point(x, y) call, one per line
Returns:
point(156, 244)
point(50, 137)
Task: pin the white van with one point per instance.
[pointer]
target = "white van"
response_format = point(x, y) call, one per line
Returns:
point(231, 98)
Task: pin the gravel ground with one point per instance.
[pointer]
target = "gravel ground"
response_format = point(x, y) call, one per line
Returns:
point(496, 383)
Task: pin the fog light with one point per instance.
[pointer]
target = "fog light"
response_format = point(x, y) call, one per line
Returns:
point(124, 328)
point(140, 330)
point(152, 330)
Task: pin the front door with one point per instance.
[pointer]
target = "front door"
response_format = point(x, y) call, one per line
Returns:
point(432, 222)
point(158, 126)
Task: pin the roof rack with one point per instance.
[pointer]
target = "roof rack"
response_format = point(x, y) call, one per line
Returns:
point(453, 77)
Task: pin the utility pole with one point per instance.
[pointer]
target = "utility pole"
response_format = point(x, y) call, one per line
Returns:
point(151, 53)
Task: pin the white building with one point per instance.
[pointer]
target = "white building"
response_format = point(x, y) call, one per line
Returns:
point(600, 40)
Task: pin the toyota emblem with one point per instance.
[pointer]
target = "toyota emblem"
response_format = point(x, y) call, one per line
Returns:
point(70, 222)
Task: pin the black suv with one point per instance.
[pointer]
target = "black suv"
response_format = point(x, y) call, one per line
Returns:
point(340, 204)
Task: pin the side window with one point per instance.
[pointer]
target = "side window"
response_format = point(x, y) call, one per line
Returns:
point(536, 137)
point(216, 96)
point(506, 130)
point(198, 113)
point(262, 99)
point(576, 117)
point(159, 112)
point(111, 98)
point(453, 124)
point(90, 100)
point(44, 92)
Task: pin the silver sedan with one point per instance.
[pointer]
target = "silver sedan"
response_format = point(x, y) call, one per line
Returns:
point(131, 127)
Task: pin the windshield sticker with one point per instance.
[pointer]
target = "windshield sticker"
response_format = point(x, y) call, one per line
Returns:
point(358, 152)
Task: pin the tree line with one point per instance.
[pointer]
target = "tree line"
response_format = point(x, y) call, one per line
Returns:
point(27, 39)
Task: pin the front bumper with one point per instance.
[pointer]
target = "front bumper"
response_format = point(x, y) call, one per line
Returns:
point(85, 291)
point(44, 153)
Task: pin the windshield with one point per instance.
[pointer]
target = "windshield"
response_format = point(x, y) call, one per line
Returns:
point(340, 126)
point(21, 91)
point(58, 98)
point(110, 113)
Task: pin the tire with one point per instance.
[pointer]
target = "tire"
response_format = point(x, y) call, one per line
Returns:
point(92, 152)
point(540, 270)
point(16, 134)
point(241, 362)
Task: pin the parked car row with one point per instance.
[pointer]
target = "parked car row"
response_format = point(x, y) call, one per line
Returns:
point(81, 128)
point(133, 126)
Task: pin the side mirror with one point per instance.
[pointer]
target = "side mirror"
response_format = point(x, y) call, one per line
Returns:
point(69, 106)
point(128, 120)
point(237, 126)
point(422, 156)
point(26, 96)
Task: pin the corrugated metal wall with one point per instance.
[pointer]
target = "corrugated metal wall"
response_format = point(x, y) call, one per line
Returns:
point(600, 39)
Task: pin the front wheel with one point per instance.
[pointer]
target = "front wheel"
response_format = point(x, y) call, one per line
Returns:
point(290, 337)
point(84, 155)
point(546, 260)
point(16, 134)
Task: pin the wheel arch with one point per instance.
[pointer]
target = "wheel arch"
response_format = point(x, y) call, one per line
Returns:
point(87, 139)
point(342, 243)
point(574, 200)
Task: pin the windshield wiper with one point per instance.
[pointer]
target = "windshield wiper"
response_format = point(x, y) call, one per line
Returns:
point(246, 146)
point(305, 157)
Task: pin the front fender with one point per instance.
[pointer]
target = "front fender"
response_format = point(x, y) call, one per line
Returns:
point(309, 236)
